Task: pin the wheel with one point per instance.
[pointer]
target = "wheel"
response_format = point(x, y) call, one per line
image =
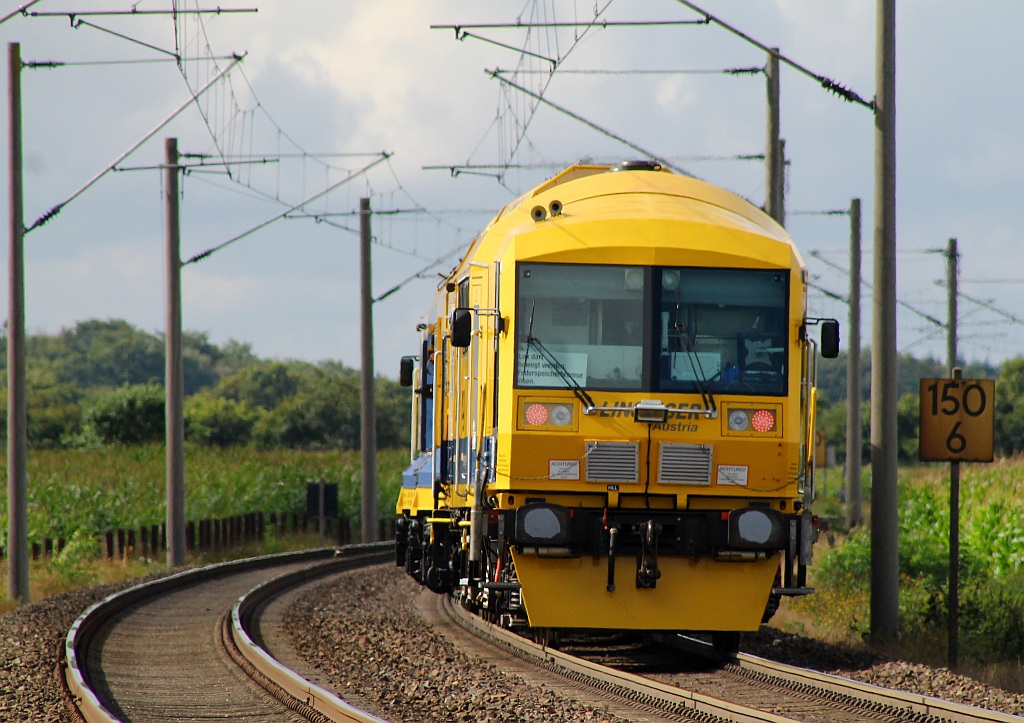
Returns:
point(726, 642)
point(401, 541)
point(771, 607)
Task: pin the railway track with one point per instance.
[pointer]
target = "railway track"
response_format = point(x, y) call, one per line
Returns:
point(742, 688)
point(815, 696)
point(123, 658)
point(123, 661)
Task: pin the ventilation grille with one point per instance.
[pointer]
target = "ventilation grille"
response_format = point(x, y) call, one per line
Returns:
point(685, 464)
point(612, 461)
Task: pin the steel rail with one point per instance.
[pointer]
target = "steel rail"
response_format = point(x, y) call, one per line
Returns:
point(910, 704)
point(628, 686)
point(73, 672)
point(901, 704)
point(244, 614)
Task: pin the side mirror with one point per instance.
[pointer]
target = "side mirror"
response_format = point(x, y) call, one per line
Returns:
point(462, 328)
point(830, 338)
point(405, 370)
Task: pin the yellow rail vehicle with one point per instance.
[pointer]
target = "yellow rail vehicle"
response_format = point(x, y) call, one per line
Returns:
point(614, 411)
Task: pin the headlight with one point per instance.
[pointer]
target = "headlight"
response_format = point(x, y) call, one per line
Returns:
point(756, 528)
point(543, 525)
point(561, 415)
point(738, 420)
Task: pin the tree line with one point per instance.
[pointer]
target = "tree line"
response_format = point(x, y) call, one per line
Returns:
point(102, 382)
point(1008, 432)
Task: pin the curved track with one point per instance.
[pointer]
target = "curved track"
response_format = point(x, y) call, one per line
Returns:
point(203, 645)
point(742, 688)
point(178, 648)
point(813, 696)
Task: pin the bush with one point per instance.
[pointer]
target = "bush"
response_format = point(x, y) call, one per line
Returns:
point(325, 417)
point(992, 617)
point(214, 421)
point(129, 415)
point(991, 567)
point(73, 562)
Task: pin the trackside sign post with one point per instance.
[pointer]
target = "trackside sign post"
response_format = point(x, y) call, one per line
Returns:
point(956, 426)
point(956, 420)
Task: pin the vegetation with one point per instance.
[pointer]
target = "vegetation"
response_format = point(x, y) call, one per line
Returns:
point(92, 490)
point(101, 383)
point(991, 610)
point(260, 430)
point(257, 431)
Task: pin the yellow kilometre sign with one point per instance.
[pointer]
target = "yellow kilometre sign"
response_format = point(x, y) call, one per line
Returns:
point(956, 420)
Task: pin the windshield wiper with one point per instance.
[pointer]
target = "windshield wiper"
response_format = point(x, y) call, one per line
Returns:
point(699, 378)
point(560, 370)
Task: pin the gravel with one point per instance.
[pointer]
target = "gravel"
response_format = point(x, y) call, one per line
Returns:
point(30, 640)
point(411, 673)
point(402, 670)
point(868, 667)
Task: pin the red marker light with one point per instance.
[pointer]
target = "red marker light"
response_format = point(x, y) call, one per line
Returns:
point(536, 415)
point(763, 420)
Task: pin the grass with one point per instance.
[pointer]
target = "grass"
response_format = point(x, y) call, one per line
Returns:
point(992, 564)
point(64, 573)
point(97, 490)
point(843, 618)
point(76, 494)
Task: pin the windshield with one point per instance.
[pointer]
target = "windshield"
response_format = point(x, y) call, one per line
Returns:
point(651, 328)
point(725, 328)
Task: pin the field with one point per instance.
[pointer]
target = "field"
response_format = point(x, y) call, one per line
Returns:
point(96, 490)
point(991, 610)
point(74, 494)
point(88, 491)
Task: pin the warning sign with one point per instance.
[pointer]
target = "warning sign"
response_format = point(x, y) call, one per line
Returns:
point(956, 420)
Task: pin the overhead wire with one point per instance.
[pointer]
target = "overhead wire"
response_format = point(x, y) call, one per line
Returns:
point(520, 121)
point(20, 11)
point(904, 304)
point(210, 251)
point(828, 84)
point(53, 211)
point(588, 123)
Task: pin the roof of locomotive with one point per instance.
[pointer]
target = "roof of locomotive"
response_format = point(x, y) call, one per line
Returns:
point(649, 190)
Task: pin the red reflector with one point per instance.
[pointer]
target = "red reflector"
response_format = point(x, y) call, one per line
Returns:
point(763, 420)
point(814, 520)
point(725, 517)
point(536, 414)
point(492, 517)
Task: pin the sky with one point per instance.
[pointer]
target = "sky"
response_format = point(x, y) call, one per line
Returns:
point(372, 99)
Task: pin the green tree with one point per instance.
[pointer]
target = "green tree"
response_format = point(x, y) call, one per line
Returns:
point(908, 414)
point(128, 415)
point(393, 413)
point(54, 414)
point(265, 386)
point(199, 361)
point(1009, 410)
point(108, 353)
point(234, 357)
point(215, 421)
point(325, 414)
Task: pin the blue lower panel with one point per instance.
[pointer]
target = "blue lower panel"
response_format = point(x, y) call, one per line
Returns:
point(417, 474)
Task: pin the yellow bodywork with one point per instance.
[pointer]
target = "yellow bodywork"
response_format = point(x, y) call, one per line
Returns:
point(691, 595)
point(624, 218)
